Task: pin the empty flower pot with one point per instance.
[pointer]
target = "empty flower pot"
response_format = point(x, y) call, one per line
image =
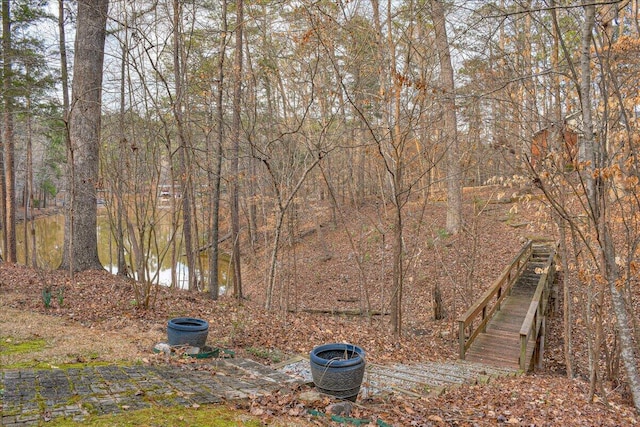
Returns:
point(338, 369)
point(187, 331)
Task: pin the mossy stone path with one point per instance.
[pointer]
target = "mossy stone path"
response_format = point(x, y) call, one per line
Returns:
point(33, 396)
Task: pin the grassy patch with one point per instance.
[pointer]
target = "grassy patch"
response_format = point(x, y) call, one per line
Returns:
point(208, 415)
point(18, 353)
point(9, 346)
point(35, 364)
point(11, 349)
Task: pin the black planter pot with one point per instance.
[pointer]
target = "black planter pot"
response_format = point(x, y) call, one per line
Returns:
point(338, 369)
point(187, 331)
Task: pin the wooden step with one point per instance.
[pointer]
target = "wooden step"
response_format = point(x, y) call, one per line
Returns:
point(492, 360)
point(496, 338)
point(502, 357)
point(509, 332)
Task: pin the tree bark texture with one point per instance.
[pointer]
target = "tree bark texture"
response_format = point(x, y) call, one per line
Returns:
point(597, 202)
point(80, 242)
point(215, 174)
point(585, 102)
point(627, 346)
point(184, 148)
point(235, 156)
point(454, 191)
point(7, 138)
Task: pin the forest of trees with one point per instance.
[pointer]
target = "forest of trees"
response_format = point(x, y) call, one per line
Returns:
point(245, 109)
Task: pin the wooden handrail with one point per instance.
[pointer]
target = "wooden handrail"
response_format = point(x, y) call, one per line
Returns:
point(499, 290)
point(534, 319)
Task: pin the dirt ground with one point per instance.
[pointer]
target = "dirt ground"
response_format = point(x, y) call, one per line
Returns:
point(67, 341)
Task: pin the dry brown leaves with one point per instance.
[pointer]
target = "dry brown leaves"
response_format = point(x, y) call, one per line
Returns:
point(320, 272)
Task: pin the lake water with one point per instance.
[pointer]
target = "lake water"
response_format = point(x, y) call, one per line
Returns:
point(49, 231)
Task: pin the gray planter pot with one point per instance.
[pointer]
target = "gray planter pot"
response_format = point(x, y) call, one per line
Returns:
point(338, 369)
point(187, 331)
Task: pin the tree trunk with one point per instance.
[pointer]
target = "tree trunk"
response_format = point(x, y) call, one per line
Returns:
point(214, 176)
point(235, 136)
point(7, 138)
point(80, 243)
point(634, 17)
point(283, 206)
point(398, 259)
point(28, 222)
point(627, 346)
point(595, 199)
point(454, 191)
point(438, 307)
point(183, 153)
point(119, 208)
point(566, 298)
point(64, 77)
point(585, 102)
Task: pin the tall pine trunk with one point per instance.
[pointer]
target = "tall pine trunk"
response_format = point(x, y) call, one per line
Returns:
point(9, 216)
point(80, 240)
point(454, 191)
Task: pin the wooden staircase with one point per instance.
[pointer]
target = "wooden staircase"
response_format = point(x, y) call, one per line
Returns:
point(511, 329)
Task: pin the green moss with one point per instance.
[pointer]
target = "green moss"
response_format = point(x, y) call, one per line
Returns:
point(10, 346)
point(209, 415)
point(79, 365)
point(37, 364)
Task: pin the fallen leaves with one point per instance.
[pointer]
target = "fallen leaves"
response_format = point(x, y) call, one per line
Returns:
point(106, 303)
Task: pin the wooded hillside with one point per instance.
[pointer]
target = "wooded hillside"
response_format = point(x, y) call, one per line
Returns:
point(250, 126)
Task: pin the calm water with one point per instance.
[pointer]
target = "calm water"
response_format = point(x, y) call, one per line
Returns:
point(49, 232)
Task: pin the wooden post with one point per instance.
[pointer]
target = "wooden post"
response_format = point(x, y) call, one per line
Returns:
point(556, 299)
point(484, 315)
point(541, 344)
point(523, 352)
point(461, 338)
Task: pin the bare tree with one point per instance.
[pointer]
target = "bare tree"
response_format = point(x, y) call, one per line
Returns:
point(606, 169)
point(184, 153)
point(597, 156)
point(235, 154)
point(215, 151)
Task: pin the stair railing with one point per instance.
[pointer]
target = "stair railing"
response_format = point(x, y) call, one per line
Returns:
point(533, 326)
point(489, 303)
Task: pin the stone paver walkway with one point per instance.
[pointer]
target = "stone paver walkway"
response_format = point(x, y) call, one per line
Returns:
point(31, 397)
point(415, 379)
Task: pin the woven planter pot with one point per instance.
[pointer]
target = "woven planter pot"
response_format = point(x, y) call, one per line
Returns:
point(338, 369)
point(187, 331)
